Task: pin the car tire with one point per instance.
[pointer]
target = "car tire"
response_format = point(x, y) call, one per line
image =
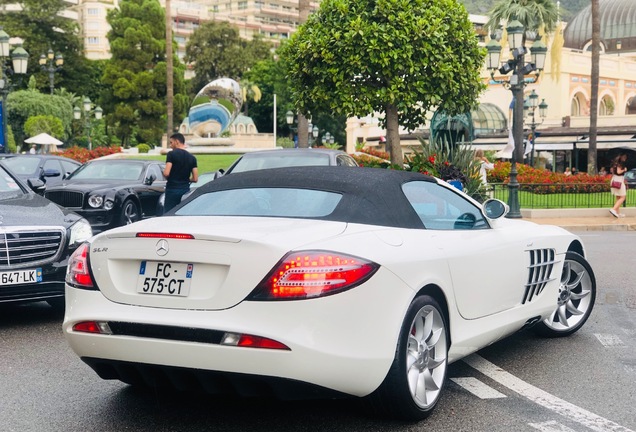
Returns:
point(577, 294)
point(129, 213)
point(417, 376)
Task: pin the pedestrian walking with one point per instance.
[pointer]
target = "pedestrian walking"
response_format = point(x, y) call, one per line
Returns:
point(618, 187)
point(181, 170)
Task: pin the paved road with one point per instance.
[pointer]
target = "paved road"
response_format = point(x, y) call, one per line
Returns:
point(523, 383)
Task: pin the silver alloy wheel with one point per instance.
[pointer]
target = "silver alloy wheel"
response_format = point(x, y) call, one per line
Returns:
point(426, 354)
point(130, 213)
point(575, 297)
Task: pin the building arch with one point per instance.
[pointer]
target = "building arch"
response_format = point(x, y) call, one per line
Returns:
point(578, 104)
point(606, 103)
point(630, 104)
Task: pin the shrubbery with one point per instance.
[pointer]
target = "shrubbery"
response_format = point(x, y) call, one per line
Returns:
point(83, 155)
point(143, 148)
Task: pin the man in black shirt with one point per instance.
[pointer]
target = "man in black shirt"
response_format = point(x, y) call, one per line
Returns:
point(181, 169)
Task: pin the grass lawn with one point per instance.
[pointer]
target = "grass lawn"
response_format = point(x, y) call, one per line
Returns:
point(566, 200)
point(205, 162)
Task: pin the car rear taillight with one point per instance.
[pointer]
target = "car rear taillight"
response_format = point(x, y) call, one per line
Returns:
point(251, 341)
point(77, 272)
point(311, 274)
point(166, 235)
point(97, 327)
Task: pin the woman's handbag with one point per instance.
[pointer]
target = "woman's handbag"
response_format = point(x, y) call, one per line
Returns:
point(616, 184)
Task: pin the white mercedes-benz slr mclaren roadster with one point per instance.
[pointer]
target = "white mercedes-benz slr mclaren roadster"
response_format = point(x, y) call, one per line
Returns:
point(319, 282)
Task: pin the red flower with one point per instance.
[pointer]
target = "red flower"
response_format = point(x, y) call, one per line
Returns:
point(431, 159)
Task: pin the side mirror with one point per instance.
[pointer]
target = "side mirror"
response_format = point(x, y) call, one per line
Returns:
point(150, 179)
point(37, 185)
point(219, 173)
point(50, 173)
point(494, 209)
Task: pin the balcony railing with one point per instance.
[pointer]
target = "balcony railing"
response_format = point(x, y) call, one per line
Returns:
point(561, 195)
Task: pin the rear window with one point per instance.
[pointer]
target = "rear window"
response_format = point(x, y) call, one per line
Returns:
point(276, 202)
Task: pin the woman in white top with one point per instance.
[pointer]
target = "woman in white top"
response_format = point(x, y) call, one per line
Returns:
point(484, 166)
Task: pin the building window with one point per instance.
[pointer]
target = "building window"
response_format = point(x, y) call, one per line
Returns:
point(242, 5)
point(93, 40)
point(575, 108)
point(631, 106)
point(606, 107)
point(93, 11)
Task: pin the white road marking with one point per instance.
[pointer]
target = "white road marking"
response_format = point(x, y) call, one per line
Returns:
point(545, 399)
point(551, 426)
point(478, 388)
point(629, 332)
point(609, 340)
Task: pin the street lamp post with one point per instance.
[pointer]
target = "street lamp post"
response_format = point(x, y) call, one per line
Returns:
point(289, 118)
point(51, 63)
point(516, 83)
point(20, 59)
point(530, 109)
point(97, 113)
point(314, 133)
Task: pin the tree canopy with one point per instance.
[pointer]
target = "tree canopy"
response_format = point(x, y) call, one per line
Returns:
point(399, 57)
point(535, 15)
point(216, 50)
point(135, 76)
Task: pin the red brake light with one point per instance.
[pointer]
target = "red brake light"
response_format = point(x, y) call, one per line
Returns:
point(77, 272)
point(166, 235)
point(310, 274)
point(249, 341)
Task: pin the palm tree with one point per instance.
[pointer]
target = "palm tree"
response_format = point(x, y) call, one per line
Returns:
point(169, 72)
point(303, 138)
point(535, 15)
point(249, 90)
point(596, 53)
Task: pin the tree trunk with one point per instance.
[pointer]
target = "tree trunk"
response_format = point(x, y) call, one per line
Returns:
point(303, 136)
point(169, 73)
point(596, 53)
point(393, 135)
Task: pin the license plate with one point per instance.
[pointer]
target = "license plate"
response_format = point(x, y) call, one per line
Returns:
point(164, 278)
point(17, 277)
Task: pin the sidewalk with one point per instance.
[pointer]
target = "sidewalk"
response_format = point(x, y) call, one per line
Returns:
point(583, 219)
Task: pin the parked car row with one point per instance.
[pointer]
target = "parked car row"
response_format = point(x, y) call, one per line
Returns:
point(82, 200)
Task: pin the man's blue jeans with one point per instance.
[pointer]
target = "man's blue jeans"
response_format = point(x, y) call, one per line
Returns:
point(173, 197)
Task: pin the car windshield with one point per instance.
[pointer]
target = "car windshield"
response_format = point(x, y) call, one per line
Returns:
point(277, 202)
point(265, 161)
point(9, 188)
point(109, 170)
point(23, 165)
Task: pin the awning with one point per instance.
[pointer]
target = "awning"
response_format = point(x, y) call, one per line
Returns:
point(605, 142)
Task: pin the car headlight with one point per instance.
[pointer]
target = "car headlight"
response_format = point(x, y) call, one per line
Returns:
point(96, 201)
point(80, 232)
point(109, 204)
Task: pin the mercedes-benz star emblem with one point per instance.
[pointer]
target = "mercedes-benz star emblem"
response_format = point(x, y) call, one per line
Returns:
point(162, 247)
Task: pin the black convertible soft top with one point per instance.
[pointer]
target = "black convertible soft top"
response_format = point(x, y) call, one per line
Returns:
point(369, 195)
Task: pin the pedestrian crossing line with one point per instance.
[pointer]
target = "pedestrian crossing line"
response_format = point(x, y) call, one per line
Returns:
point(609, 340)
point(543, 398)
point(478, 388)
point(551, 426)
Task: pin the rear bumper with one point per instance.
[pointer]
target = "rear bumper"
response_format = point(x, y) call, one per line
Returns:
point(343, 343)
point(52, 286)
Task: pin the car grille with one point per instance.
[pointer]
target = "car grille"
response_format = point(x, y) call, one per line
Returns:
point(67, 199)
point(29, 247)
point(539, 272)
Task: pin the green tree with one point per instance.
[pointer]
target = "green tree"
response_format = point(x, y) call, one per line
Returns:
point(135, 76)
point(216, 50)
point(24, 104)
point(399, 57)
point(42, 27)
point(44, 124)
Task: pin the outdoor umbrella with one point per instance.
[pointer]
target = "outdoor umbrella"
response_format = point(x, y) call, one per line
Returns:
point(44, 139)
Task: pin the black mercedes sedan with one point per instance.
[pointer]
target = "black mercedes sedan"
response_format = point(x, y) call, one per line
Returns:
point(36, 239)
point(112, 192)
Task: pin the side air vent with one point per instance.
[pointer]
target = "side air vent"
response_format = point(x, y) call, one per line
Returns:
point(539, 272)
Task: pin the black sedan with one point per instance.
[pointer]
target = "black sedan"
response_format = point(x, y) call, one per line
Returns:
point(36, 239)
point(48, 168)
point(112, 192)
